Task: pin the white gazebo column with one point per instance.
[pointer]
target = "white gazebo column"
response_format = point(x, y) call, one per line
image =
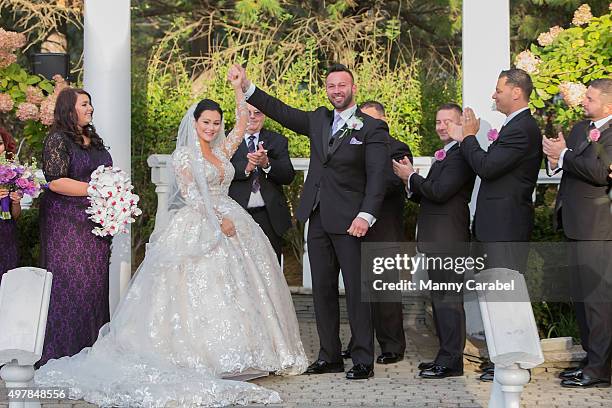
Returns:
point(486, 52)
point(107, 77)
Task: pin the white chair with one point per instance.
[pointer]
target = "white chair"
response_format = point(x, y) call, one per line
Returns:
point(24, 303)
point(511, 333)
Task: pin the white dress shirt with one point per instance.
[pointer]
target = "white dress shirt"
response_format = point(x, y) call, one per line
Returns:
point(513, 115)
point(344, 116)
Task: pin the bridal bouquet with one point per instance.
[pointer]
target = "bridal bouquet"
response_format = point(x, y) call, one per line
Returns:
point(112, 204)
point(27, 178)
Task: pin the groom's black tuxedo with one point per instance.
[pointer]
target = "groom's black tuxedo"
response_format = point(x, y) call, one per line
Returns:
point(337, 175)
point(346, 176)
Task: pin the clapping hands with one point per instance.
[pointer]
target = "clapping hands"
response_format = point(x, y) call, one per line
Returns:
point(258, 158)
point(470, 125)
point(403, 169)
point(552, 148)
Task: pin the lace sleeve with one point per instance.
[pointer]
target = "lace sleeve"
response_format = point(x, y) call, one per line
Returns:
point(186, 182)
point(56, 157)
point(184, 176)
point(236, 136)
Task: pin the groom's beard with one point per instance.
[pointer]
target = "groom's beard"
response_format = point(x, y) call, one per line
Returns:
point(345, 102)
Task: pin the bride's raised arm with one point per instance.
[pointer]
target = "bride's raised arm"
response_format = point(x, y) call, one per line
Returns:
point(236, 136)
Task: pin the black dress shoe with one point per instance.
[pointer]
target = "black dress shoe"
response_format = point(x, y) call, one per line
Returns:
point(438, 371)
point(584, 381)
point(426, 365)
point(487, 376)
point(486, 366)
point(323, 367)
point(360, 372)
point(389, 358)
point(570, 373)
point(345, 354)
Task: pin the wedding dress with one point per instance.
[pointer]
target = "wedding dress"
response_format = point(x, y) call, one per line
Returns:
point(204, 312)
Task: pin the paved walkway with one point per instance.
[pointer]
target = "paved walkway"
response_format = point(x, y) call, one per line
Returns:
point(398, 385)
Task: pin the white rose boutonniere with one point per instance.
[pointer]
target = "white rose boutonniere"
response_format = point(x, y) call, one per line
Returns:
point(353, 123)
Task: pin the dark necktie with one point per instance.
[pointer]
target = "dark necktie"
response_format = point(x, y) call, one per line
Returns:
point(255, 184)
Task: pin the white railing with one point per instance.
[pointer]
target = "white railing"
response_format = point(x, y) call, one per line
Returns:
point(160, 176)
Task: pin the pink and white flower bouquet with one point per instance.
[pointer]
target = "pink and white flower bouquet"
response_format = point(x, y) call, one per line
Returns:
point(112, 206)
point(14, 176)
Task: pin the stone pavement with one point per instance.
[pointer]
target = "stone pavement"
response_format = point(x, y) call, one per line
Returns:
point(398, 385)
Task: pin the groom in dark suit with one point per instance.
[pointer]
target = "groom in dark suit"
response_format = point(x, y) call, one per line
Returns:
point(509, 172)
point(341, 199)
point(262, 166)
point(583, 212)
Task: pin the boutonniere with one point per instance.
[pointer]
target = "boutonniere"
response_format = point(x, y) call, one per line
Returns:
point(353, 123)
point(594, 135)
point(440, 155)
point(492, 135)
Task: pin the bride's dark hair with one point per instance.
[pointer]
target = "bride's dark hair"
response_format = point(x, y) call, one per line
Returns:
point(207, 105)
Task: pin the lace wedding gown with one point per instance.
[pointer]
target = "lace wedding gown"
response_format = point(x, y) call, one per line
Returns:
point(194, 321)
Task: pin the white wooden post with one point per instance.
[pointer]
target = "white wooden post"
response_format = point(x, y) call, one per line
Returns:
point(107, 77)
point(486, 52)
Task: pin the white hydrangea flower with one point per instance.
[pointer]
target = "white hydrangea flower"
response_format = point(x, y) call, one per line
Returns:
point(527, 61)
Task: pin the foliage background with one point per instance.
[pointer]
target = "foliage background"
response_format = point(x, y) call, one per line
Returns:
point(406, 54)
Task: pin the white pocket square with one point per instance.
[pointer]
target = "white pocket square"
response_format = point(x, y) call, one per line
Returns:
point(355, 141)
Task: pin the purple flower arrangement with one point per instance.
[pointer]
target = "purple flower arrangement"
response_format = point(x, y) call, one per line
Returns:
point(27, 178)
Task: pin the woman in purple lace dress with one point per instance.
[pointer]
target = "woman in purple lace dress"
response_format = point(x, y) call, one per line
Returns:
point(77, 258)
point(9, 256)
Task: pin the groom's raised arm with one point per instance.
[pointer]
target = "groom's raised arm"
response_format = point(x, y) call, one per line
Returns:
point(291, 118)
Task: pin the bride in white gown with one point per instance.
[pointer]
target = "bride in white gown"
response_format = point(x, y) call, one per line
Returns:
point(208, 308)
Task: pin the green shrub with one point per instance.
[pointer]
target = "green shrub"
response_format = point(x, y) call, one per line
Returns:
point(28, 237)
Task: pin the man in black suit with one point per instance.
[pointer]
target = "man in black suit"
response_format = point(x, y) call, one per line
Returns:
point(341, 199)
point(262, 167)
point(509, 173)
point(387, 316)
point(583, 211)
point(443, 226)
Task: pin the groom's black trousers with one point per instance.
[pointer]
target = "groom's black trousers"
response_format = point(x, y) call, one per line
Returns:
point(328, 253)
